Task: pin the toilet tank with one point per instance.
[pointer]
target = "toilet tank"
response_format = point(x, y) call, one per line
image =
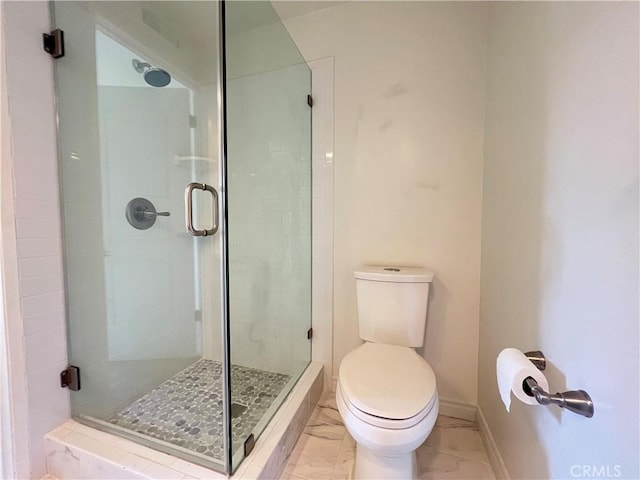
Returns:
point(392, 304)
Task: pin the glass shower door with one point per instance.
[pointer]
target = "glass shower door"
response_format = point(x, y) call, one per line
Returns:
point(138, 116)
point(268, 195)
point(147, 301)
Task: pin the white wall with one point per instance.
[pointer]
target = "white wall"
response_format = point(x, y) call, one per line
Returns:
point(560, 231)
point(37, 222)
point(408, 162)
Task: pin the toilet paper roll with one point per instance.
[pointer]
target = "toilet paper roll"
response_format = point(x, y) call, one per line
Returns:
point(512, 367)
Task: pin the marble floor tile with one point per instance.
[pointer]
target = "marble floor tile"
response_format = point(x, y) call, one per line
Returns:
point(457, 437)
point(328, 399)
point(326, 451)
point(437, 465)
point(328, 432)
point(290, 476)
point(344, 460)
point(313, 457)
point(326, 412)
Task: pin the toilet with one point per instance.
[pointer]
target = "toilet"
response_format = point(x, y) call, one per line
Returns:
point(386, 392)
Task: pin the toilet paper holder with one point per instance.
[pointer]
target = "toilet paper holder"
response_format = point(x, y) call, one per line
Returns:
point(576, 401)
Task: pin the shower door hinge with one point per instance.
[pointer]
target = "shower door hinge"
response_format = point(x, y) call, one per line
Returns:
point(193, 121)
point(53, 43)
point(310, 100)
point(310, 334)
point(70, 378)
point(249, 443)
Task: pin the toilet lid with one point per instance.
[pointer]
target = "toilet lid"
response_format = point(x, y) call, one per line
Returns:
point(387, 381)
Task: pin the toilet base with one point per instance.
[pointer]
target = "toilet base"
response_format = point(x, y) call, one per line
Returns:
point(369, 465)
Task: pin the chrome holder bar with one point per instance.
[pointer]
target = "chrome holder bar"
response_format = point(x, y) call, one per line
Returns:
point(576, 401)
point(188, 201)
point(537, 358)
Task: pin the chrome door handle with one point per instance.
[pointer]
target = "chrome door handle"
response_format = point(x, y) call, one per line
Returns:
point(188, 201)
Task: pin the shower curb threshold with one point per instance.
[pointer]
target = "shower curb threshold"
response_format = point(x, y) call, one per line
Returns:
point(76, 452)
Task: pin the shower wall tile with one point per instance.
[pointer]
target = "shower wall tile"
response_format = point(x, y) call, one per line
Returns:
point(47, 378)
point(147, 320)
point(36, 209)
point(33, 267)
point(36, 188)
point(47, 339)
point(39, 246)
point(39, 359)
point(49, 302)
point(29, 228)
point(41, 322)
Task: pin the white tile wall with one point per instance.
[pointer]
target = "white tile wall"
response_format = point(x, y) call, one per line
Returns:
point(149, 274)
point(37, 218)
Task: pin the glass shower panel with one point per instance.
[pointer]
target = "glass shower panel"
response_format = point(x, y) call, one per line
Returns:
point(137, 105)
point(268, 155)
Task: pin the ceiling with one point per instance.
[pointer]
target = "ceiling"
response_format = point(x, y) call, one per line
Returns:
point(294, 8)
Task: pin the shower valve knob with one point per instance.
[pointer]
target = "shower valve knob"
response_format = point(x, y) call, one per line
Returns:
point(141, 213)
point(147, 213)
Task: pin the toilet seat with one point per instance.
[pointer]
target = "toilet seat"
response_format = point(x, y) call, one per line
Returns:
point(386, 423)
point(387, 386)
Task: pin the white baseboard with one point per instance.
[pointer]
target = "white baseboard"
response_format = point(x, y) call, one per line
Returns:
point(453, 409)
point(499, 468)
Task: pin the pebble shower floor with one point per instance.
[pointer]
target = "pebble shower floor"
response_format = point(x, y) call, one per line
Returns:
point(186, 410)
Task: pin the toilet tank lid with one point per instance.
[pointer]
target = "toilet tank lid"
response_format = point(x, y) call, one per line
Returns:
point(390, 273)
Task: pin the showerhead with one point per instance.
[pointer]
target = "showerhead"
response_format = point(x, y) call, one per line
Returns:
point(154, 76)
point(157, 77)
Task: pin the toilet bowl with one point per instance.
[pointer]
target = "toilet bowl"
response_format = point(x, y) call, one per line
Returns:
point(387, 397)
point(386, 392)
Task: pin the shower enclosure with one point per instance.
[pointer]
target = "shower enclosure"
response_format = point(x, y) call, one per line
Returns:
point(185, 165)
